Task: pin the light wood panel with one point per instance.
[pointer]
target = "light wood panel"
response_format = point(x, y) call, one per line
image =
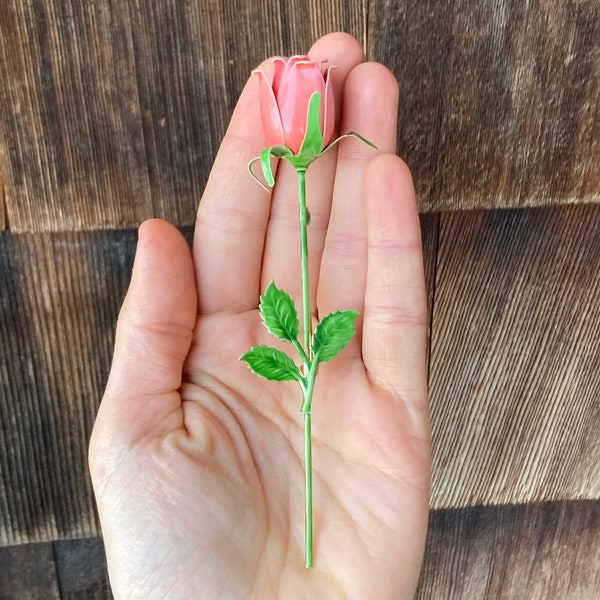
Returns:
point(112, 111)
point(538, 552)
point(500, 99)
point(515, 359)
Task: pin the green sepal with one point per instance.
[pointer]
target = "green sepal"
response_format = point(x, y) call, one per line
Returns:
point(265, 161)
point(312, 144)
point(332, 334)
point(271, 363)
point(353, 134)
point(278, 313)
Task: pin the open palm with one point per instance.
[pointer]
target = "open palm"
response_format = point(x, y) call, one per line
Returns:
point(197, 464)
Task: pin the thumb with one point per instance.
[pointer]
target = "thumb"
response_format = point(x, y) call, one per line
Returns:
point(153, 338)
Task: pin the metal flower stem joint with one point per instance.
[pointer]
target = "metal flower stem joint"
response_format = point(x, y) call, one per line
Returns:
point(297, 115)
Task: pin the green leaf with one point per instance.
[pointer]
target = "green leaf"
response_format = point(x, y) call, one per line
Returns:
point(271, 364)
point(332, 334)
point(279, 313)
point(312, 144)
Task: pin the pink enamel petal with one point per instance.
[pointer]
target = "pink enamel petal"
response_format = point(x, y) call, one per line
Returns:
point(293, 60)
point(303, 79)
point(328, 109)
point(269, 112)
point(279, 63)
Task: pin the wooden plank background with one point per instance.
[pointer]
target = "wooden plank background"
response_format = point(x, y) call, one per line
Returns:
point(548, 551)
point(515, 359)
point(500, 99)
point(111, 112)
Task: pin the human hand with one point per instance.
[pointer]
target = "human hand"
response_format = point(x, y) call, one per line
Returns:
point(196, 462)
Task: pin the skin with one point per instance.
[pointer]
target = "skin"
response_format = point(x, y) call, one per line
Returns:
point(196, 462)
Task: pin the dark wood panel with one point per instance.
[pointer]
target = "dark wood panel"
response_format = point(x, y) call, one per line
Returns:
point(81, 569)
point(430, 225)
point(112, 111)
point(28, 573)
point(60, 294)
point(59, 298)
point(540, 551)
point(515, 360)
point(3, 223)
point(537, 552)
point(500, 101)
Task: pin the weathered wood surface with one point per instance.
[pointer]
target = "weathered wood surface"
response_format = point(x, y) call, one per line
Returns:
point(111, 111)
point(500, 99)
point(28, 572)
point(81, 569)
point(539, 552)
point(430, 224)
point(3, 223)
point(514, 371)
point(66, 570)
point(59, 298)
point(515, 358)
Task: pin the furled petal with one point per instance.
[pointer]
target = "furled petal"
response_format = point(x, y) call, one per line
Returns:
point(298, 83)
point(269, 112)
point(288, 67)
point(328, 109)
point(279, 63)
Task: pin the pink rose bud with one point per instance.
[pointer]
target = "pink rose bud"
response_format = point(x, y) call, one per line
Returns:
point(284, 102)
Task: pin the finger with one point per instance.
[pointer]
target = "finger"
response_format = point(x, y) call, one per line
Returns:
point(370, 109)
point(282, 250)
point(232, 216)
point(395, 313)
point(154, 334)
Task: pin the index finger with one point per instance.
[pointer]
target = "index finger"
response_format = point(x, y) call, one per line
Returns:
point(232, 215)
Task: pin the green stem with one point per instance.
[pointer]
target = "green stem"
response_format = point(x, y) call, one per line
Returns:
point(307, 393)
point(309, 368)
point(303, 214)
point(308, 526)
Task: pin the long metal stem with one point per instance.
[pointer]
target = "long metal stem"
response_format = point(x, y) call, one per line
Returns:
point(309, 373)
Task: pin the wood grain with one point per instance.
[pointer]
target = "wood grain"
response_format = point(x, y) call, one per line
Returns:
point(59, 298)
point(430, 225)
point(3, 221)
point(28, 572)
point(81, 569)
point(111, 111)
point(538, 552)
point(515, 360)
point(500, 100)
